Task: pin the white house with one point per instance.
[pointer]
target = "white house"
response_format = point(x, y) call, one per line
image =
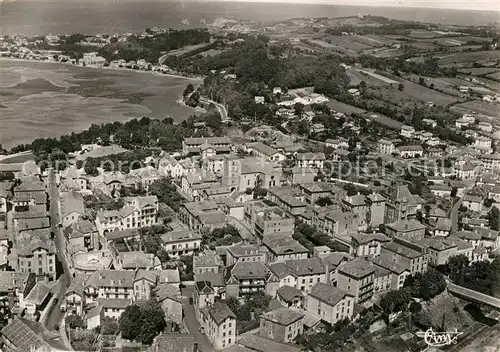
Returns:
point(407, 131)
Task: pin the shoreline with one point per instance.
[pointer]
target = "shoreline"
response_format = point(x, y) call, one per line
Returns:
point(176, 100)
point(172, 75)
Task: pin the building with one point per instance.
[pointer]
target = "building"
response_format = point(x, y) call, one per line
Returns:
point(357, 205)
point(410, 229)
point(356, 277)
point(4, 248)
point(314, 160)
point(330, 303)
point(220, 325)
point(15, 286)
point(180, 242)
point(407, 131)
point(207, 263)
point(400, 204)
point(367, 245)
point(281, 247)
point(473, 202)
point(37, 255)
point(385, 146)
point(246, 278)
point(396, 273)
point(72, 208)
point(443, 227)
point(82, 235)
point(441, 190)
point(288, 198)
point(145, 214)
point(202, 216)
point(243, 252)
point(490, 162)
point(25, 335)
point(316, 190)
point(410, 151)
point(282, 325)
point(265, 218)
point(264, 152)
point(221, 145)
point(376, 209)
point(173, 342)
point(290, 297)
point(406, 254)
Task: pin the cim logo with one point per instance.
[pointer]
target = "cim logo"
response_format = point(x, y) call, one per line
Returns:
point(440, 339)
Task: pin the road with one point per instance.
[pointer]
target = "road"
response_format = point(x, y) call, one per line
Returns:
point(192, 325)
point(222, 109)
point(55, 314)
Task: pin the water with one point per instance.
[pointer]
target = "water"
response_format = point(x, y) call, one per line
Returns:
point(117, 16)
point(48, 99)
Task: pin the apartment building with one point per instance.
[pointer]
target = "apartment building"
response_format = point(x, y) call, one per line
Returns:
point(282, 247)
point(367, 245)
point(200, 216)
point(244, 252)
point(207, 263)
point(180, 242)
point(82, 235)
point(410, 229)
point(245, 278)
point(37, 255)
point(400, 204)
point(330, 303)
point(356, 277)
point(288, 198)
point(396, 273)
point(313, 160)
point(406, 254)
point(282, 325)
point(385, 146)
point(302, 274)
point(265, 218)
point(220, 325)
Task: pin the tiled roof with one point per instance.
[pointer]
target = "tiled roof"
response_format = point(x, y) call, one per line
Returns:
point(180, 236)
point(219, 312)
point(283, 316)
point(327, 293)
point(173, 342)
point(247, 270)
point(357, 268)
point(288, 293)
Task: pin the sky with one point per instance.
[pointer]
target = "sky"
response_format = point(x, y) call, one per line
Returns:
point(485, 5)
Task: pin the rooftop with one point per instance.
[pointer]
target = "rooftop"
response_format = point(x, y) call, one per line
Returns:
point(327, 293)
point(357, 268)
point(283, 316)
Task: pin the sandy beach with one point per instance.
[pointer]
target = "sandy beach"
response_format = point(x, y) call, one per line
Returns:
point(48, 99)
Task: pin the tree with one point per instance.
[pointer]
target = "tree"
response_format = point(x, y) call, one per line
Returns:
point(299, 109)
point(75, 321)
point(362, 87)
point(494, 218)
point(456, 265)
point(324, 201)
point(188, 90)
point(421, 81)
point(432, 284)
point(109, 326)
point(454, 191)
point(401, 86)
point(130, 322)
point(153, 322)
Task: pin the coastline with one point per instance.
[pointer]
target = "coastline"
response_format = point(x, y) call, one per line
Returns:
point(166, 102)
point(172, 75)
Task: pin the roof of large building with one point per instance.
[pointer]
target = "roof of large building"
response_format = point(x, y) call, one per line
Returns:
point(261, 344)
point(406, 225)
point(138, 260)
point(327, 293)
point(357, 268)
point(180, 236)
point(262, 148)
point(26, 248)
point(219, 312)
point(385, 262)
point(283, 245)
point(79, 229)
point(26, 336)
point(248, 270)
point(112, 278)
point(288, 293)
point(369, 237)
point(308, 266)
point(244, 249)
point(174, 342)
point(402, 250)
point(10, 280)
point(207, 260)
point(283, 316)
point(72, 202)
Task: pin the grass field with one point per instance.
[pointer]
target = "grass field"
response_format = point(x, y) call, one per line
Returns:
point(469, 57)
point(422, 34)
point(384, 52)
point(413, 94)
point(186, 49)
point(480, 71)
point(347, 43)
point(481, 108)
point(344, 108)
point(494, 76)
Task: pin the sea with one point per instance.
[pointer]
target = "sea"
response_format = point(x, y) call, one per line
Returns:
point(40, 17)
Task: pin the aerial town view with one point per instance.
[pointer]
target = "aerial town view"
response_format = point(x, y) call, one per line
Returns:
point(189, 176)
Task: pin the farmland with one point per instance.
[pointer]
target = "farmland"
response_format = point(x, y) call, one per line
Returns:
point(494, 76)
point(469, 57)
point(413, 94)
point(480, 71)
point(481, 108)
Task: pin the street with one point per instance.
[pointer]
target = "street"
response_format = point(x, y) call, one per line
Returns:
point(55, 314)
point(191, 323)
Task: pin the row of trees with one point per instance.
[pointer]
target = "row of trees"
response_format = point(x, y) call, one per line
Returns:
point(142, 323)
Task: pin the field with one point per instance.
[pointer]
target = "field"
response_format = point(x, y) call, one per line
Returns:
point(481, 108)
point(442, 84)
point(423, 46)
point(494, 76)
point(384, 52)
point(413, 94)
point(384, 79)
point(344, 108)
point(347, 43)
point(480, 71)
point(469, 57)
point(423, 34)
point(374, 40)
